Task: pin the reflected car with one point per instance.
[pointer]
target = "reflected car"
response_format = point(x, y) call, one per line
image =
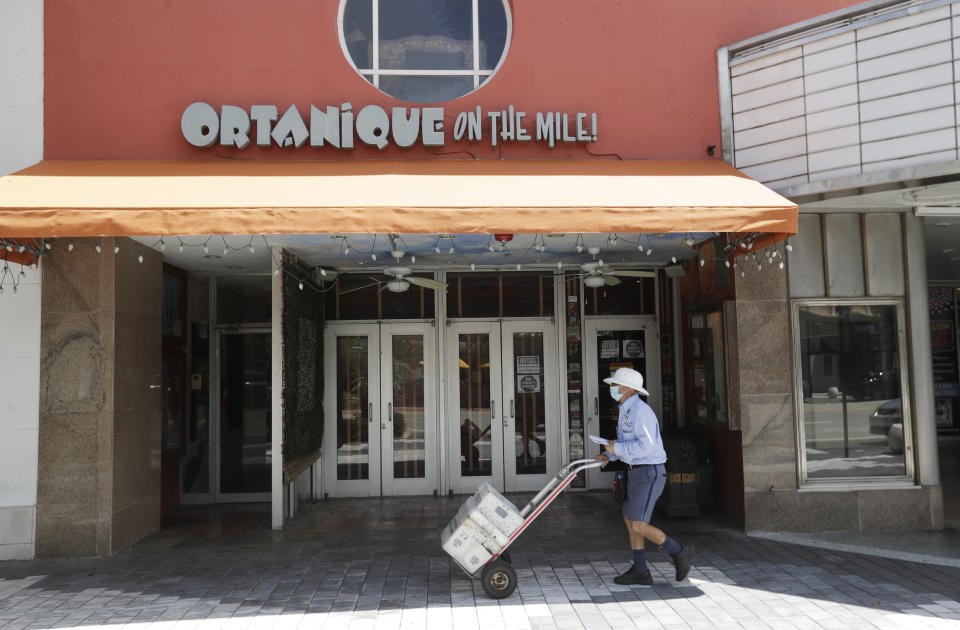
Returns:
point(885, 416)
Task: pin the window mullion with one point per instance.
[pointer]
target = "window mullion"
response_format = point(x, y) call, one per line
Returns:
point(375, 57)
point(476, 44)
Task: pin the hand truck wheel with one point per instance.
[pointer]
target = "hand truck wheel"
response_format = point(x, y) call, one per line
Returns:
point(499, 580)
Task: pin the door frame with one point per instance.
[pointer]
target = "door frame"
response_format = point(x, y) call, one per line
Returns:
point(216, 495)
point(591, 378)
point(379, 399)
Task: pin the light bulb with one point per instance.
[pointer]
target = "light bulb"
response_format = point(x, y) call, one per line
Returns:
point(140, 258)
point(780, 264)
point(759, 267)
point(726, 264)
point(473, 267)
point(48, 245)
point(673, 259)
point(226, 250)
point(276, 271)
point(163, 246)
point(323, 272)
point(373, 256)
point(22, 249)
point(749, 244)
point(702, 262)
point(413, 259)
point(346, 250)
point(743, 274)
point(252, 250)
point(300, 284)
point(789, 247)
point(70, 247)
point(180, 248)
point(518, 266)
point(490, 247)
point(640, 247)
point(560, 265)
point(579, 249)
point(116, 249)
point(437, 249)
point(98, 249)
point(451, 250)
point(206, 250)
point(649, 251)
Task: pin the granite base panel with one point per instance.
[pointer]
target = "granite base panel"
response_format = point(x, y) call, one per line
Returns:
point(887, 510)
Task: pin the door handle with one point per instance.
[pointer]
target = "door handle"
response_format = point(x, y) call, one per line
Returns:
point(596, 406)
point(513, 412)
point(493, 409)
point(390, 411)
point(370, 419)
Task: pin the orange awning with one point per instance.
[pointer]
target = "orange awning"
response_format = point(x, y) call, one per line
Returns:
point(74, 199)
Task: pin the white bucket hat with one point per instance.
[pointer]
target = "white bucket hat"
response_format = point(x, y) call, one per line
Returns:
point(627, 378)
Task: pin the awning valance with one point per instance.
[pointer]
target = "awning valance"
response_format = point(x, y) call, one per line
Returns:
point(74, 199)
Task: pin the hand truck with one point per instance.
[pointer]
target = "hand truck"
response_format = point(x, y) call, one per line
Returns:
point(487, 523)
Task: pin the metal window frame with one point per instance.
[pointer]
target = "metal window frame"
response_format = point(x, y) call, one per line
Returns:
point(908, 480)
point(373, 74)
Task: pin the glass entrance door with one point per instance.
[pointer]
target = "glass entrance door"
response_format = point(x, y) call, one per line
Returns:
point(503, 420)
point(380, 410)
point(242, 429)
point(609, 344)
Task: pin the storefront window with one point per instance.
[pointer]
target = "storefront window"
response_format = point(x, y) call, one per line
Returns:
point(708, 371)
point(511, 294)
point(856, 423)
point(392, 43)
point(632, 296)
point(363, 296)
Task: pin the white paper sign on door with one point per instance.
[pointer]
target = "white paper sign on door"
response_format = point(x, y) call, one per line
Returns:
point(528, 364)
point(609, 349)
point(632, 349)
point(528, 384)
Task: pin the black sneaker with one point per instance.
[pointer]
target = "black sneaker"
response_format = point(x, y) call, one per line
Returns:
point(682, 561)
point(633, 576)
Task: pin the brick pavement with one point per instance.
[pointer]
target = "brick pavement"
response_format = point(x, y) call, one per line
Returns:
point(376, 564)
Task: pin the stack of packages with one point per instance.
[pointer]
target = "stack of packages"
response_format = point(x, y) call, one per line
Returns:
point(480, 529)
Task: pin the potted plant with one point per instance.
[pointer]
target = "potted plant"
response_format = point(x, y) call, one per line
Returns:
point(681, 495)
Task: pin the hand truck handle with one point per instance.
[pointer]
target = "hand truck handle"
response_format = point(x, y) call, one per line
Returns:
point(565, 473)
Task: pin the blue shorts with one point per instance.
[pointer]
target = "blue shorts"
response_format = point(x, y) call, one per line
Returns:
point(644, 486)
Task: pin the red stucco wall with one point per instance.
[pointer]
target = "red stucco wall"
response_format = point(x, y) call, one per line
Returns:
point(118, 73)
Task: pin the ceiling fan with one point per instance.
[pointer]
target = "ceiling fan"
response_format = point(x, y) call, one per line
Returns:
point(596, 274)
point(402, 278)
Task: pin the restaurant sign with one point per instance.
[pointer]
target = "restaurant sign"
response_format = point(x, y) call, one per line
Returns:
point(338, 127)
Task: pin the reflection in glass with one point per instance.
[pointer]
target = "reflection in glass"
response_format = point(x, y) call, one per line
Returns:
point(409, 456)
point(529, 413)
point(353, 428)
point(851, 391)
point(430, 89)
point(418, 35)
point(358, 32)
point(492, 31)
point(474, 405)
point(616, 349)
point(245, 384)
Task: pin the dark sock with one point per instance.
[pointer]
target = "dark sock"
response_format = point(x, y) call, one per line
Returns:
point(672, 546)
point(640, 560)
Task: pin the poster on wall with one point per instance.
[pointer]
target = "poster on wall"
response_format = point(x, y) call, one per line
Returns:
point(528, 384)
point(943, 342)
point(632, 349)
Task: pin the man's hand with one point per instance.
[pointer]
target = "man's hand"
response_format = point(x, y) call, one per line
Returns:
point(609, 447)
point(603, 458)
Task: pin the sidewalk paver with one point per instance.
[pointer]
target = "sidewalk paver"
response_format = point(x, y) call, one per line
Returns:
point(376, 564)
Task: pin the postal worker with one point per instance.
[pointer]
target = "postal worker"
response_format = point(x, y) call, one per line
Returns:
point(640, 446)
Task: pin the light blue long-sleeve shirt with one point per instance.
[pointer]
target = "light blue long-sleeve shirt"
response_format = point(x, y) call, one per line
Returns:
point(638, 434)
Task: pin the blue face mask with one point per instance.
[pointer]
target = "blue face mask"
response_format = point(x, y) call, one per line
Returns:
point(615, 392)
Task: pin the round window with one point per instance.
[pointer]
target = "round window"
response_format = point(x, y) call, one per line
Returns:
point(425, 51)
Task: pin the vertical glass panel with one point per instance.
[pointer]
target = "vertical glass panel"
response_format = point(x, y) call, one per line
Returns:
point(358, 296)
point(473, 295)
point(492, 31)
point(474, 405)
point(243, 299)
point(358, 31)
point(616, 349)
point(426, 35)
point(245, 380)
point(409, 455)
point(708, 370)
point(353, 410)
point(195, 473)
point(426, 89)
point(852, 417)
point(527, 294)
point(529, 412)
